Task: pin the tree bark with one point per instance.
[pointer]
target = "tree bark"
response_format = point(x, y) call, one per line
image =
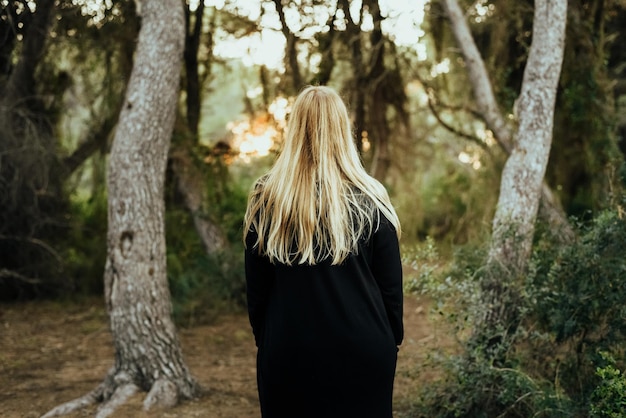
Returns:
point(550, 209)
point(147, 352)
point(136, 289)
point(353, 40)
point(522, 187)
point(522, 176)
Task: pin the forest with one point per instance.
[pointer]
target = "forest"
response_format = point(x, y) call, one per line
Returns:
point(131, 133)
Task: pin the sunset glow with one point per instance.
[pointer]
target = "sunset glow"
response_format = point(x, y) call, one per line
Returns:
point(258, 136)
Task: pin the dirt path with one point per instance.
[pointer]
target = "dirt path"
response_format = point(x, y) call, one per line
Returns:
point(50, 353)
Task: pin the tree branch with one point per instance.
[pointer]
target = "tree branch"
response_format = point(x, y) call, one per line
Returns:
point(93, 142)
point(18, 276)
point(450, 128)
point(479, 79)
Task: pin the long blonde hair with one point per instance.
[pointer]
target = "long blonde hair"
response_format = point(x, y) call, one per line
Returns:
point(317, 201)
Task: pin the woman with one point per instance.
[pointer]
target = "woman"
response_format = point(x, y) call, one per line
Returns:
point(323, 273)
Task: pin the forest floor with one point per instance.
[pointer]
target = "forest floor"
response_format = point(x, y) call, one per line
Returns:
point(51, 353)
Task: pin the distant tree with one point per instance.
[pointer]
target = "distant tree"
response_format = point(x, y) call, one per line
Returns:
point(38, 153)
point(375, 86)
point(528, 147)
point(30, 190)
point(147, 352)
point(291, 50)
point(188, 170)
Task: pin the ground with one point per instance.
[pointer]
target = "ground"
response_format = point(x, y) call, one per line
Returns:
point(52, 352)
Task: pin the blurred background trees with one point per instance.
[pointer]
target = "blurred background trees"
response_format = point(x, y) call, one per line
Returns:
point(64, 66)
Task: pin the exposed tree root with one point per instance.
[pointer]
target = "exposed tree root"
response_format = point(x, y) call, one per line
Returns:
point(114, 391)
point(78, 403)
point(163, 394)
point(119, 397)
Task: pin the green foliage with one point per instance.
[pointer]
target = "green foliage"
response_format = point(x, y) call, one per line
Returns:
point(552, 361)
point(447, 200)
point(202, 285)
point(84, 246)
point(581, 296)
point(422, 262)
point(471, 383)
point(472, 387)
point(608, 399)
point(578, 295)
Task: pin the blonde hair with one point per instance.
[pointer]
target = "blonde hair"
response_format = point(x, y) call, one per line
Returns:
point(317, 201)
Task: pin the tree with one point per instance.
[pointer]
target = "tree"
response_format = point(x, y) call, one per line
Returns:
point(188, 176)
point(504, 133)
point(147, 352)
point(521, 185)
point(291, 50)
point(376, 87)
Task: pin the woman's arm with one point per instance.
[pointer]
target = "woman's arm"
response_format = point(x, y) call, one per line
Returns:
point(259, 279)
point(387, 270)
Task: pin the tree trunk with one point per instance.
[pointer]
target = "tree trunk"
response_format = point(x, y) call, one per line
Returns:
point(21, 83)
point(189, 181)
point(377, 106)
point(291, 51)
point(522, 176)
point(192, 44)
point(550, 209)
point(357, 100)
point(521, 185)
point(147, 352)
point(190, 185)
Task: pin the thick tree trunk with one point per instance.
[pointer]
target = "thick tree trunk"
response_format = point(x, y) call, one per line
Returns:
point(147, 352)
point(137, 293)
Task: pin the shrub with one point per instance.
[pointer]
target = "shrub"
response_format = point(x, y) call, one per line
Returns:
point(570, 311)
point(608, 399)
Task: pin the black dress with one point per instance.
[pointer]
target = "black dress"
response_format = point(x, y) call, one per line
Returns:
point(327, 335)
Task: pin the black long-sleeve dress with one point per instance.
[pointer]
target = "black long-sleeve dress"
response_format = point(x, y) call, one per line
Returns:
point(327, 335)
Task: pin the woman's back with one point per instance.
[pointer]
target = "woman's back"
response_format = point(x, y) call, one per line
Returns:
point(328, 337)
point(323, 273)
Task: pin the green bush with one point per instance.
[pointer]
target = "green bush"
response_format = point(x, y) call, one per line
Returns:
point(578, 297)
point(608, 399)
point(570, 311)
point(202, 285)
point(83, 247)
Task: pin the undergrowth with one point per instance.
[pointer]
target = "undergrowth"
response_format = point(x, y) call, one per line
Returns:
point(564, 356)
